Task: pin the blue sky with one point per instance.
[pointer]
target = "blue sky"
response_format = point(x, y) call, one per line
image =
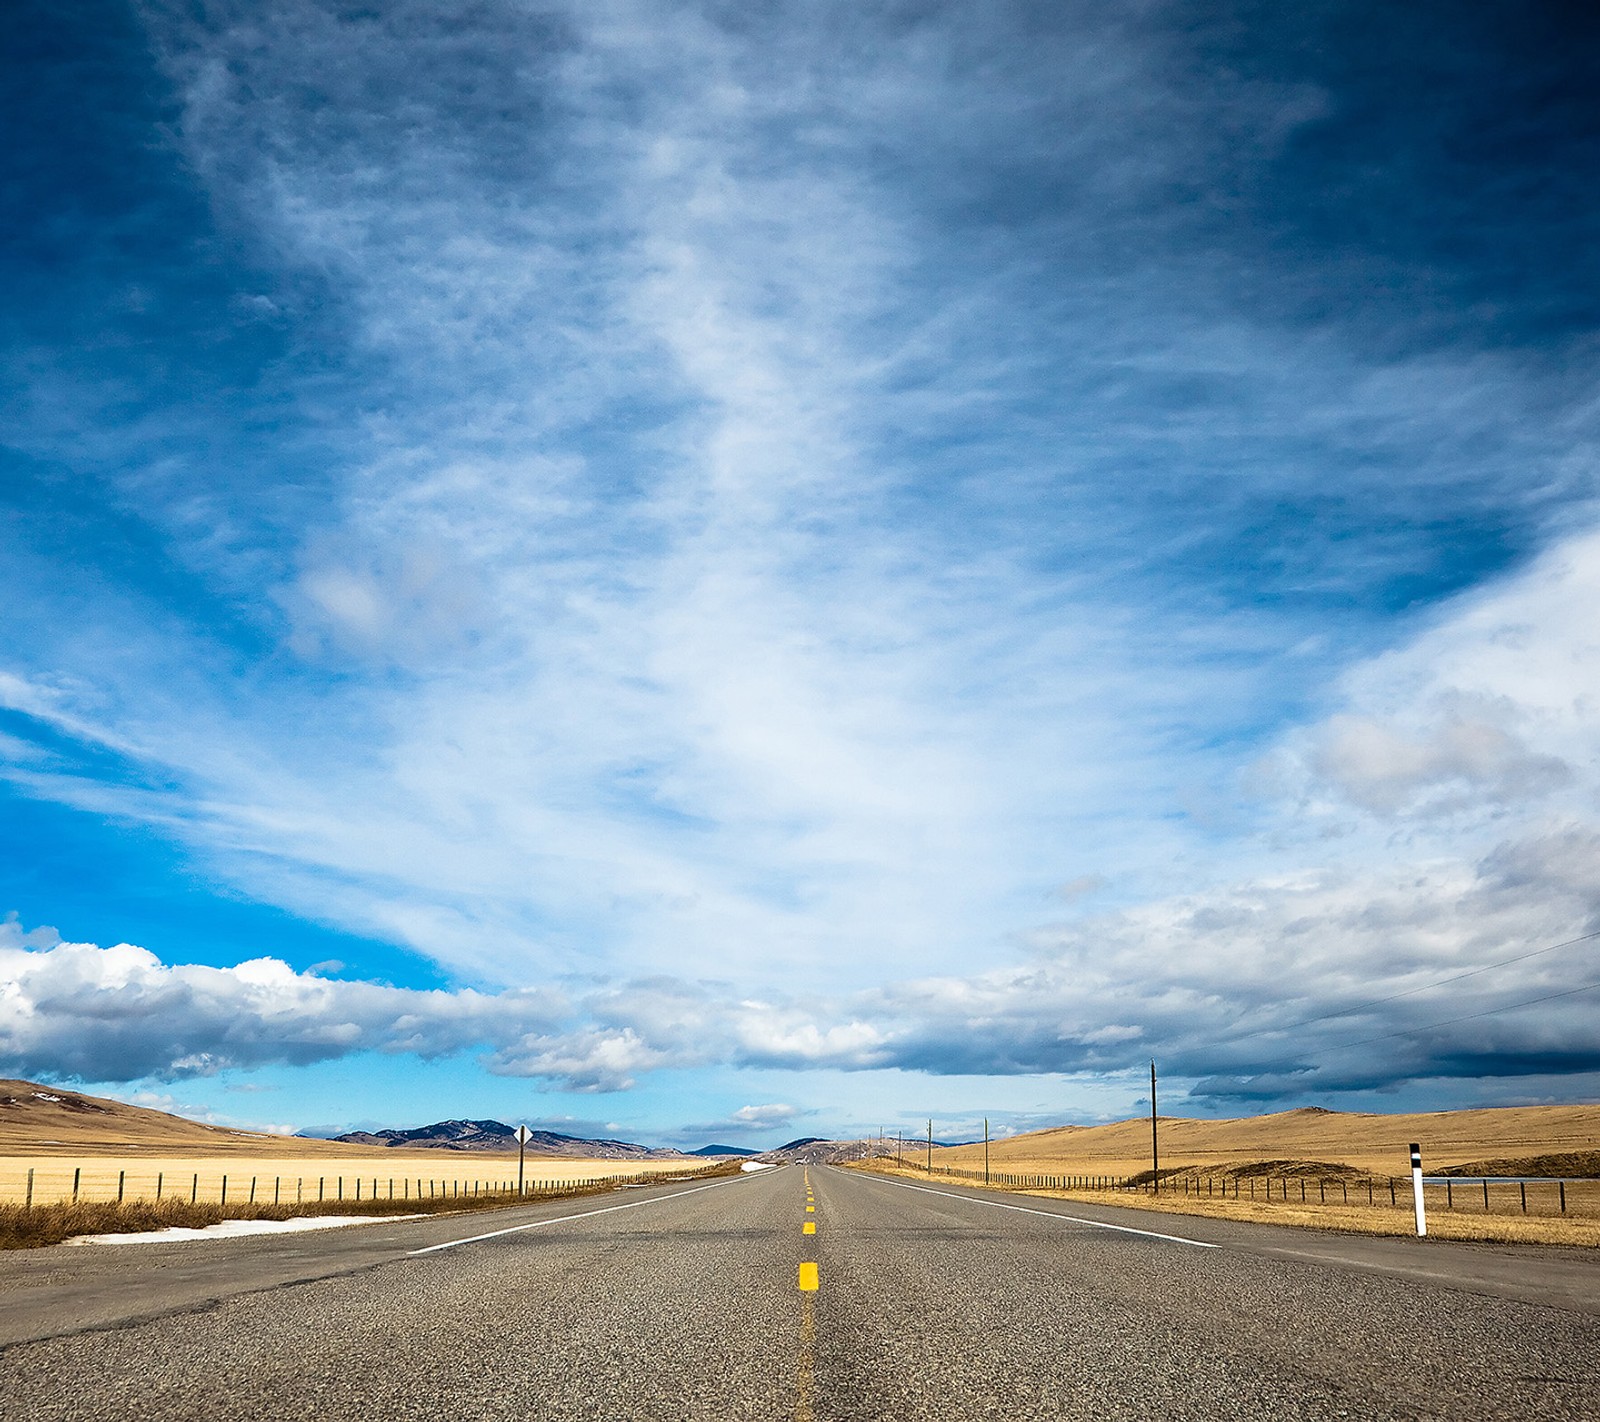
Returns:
point(747, 570)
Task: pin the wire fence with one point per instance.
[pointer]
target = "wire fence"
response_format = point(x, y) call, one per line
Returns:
point(1527, 1195)
point(69, 1182)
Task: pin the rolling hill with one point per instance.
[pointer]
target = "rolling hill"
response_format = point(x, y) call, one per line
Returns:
point(1510, 1136)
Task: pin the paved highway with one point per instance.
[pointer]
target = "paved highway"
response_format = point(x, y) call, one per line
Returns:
point(712, 1300)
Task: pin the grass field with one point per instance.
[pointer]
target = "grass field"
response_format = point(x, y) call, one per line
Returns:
point(1514, 1135)
point(51, 1222)
point(1319, 1168)
point(97, 1150)
point(1468, 1222)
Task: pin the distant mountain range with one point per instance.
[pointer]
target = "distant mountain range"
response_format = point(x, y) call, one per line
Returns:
point(497, 1136)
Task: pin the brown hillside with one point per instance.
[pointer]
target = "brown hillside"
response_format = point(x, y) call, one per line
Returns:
point(1366, 1141)
point(50, 1120)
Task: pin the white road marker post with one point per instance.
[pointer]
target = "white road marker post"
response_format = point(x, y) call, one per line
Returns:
point(522, 1155)
point(1416, 1189)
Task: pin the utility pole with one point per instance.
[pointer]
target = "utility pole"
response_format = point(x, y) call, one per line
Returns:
point(900, 1147)
point(930, 1145)
point(985, 1150)
point(1155, 1148)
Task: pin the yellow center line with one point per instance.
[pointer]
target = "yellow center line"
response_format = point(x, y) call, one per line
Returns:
point(806, 1379)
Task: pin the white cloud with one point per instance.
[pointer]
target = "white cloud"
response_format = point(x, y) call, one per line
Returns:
point(1381, 769)
point(1491, 706)
point(774, 1113)
point(582, 1060)
point(119, 1013)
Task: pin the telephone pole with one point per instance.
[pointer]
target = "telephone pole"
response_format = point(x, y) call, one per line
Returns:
point(985, 1150)
point(1155, 1149)
point(930, 1145)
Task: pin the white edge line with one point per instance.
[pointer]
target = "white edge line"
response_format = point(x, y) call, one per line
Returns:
point(1052, 1215)
point(564, 1219)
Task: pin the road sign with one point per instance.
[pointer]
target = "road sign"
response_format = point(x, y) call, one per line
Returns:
point(523, 1135)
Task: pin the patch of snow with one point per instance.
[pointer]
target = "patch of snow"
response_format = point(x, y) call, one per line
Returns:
point(46, 1096)
point(232, 1229)
point(749, 1165)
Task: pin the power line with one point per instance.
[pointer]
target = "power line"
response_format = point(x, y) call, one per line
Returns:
point(1427, 987)
point(1470, 1017)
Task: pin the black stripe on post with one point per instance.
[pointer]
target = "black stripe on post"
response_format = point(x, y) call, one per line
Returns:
point(1416, 1157)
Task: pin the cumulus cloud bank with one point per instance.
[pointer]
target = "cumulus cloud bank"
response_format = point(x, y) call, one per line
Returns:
point(119, 1014)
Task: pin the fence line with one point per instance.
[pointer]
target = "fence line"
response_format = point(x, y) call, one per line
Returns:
point(64, 1183)
point(1383, 1191)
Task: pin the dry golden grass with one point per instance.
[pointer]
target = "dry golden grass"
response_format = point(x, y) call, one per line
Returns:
point(49, 1120)
point(1381, 1219)
point(1363, 1141)
point(129, 1151)
point(1335, 1151)
point(65, 1219)
point(43, 1224)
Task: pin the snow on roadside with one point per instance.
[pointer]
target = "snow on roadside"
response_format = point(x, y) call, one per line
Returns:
point(230, 1229)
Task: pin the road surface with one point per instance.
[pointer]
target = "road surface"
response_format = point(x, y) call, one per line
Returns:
point(695, 1300)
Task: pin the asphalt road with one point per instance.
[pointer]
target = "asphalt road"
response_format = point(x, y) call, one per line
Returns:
point(690, 1301)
